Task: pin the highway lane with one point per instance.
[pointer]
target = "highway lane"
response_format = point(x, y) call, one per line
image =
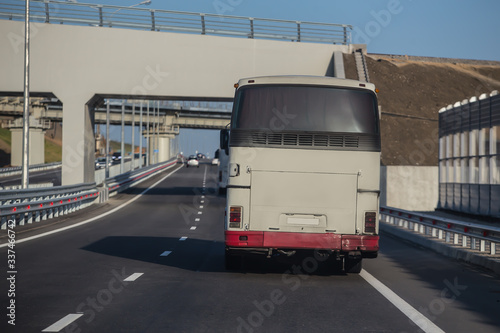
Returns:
point(183, 286)
point(36, 177)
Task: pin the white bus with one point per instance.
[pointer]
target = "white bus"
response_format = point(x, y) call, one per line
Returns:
point(304, 169)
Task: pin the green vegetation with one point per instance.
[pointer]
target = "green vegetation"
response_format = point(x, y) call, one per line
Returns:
point(53, 152)
point(5, 135)
point(117, 146)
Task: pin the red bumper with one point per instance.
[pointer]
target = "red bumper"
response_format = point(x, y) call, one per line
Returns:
point(294, 240)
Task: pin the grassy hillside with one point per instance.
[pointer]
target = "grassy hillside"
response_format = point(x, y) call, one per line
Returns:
point(5, 135)
point(411, 94)
point(117, 146)
point(53, 152)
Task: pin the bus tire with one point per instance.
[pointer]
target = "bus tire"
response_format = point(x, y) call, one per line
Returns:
point(232, 262)
point(353, 265)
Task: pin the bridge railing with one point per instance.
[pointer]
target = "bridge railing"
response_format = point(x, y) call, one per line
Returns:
point(478, 237)
point(60, 12)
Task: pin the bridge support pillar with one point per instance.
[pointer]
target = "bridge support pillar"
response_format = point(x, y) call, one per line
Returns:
point(78, 153)
point(36, 142)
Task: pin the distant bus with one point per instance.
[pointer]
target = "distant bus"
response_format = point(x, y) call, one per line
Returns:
point(304, 169)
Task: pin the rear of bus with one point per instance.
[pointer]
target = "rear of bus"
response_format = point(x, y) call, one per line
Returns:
point(304, 168)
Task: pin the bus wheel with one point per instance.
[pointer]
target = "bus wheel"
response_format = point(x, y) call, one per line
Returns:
point(353, 265)
point(232, 262)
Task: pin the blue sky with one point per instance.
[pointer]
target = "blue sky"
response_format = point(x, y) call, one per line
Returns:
point(436, 28)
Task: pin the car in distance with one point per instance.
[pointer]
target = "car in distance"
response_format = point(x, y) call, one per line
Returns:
point(193, 161)
point(100, 163)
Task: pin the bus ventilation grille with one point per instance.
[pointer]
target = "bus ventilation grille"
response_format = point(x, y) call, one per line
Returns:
point(315, 141)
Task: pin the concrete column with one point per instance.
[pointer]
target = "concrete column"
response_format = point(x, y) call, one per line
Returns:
point(78, 155)
point(164, 148)
point(36, 146)
point(152, 148)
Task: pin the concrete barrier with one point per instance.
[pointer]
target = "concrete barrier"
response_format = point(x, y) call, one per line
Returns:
point(409, 187)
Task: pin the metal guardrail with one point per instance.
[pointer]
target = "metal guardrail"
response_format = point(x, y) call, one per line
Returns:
point(124, 181)
point(25, 206)
point(4, 172)
point(60, 12)
point(473, 236)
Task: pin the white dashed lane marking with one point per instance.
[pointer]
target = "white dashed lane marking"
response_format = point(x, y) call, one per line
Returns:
point(133, 277)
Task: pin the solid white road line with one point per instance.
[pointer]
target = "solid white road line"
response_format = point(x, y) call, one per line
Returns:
point(419, 319)
point(166, 253)
point(59, 325)
point(94, 218)
point(133, 277)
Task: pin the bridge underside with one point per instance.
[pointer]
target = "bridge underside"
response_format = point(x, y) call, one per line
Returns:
point(78, 65)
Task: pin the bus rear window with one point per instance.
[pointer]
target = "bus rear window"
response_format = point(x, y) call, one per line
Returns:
point(305, 108)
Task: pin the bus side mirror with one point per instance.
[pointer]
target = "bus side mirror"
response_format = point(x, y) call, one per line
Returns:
point(224, 140)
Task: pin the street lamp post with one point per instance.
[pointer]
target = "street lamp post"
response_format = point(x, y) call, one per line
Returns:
point(26, 112)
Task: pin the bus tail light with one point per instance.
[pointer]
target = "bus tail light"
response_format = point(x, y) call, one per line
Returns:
point(235, 217)
point(370, 222)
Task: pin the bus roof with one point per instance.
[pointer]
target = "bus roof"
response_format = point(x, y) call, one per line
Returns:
point(306, 80)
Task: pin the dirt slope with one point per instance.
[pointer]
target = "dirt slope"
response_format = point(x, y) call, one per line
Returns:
point(411, 94)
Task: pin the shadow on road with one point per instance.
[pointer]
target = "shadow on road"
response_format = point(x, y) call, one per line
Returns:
point(206, 256)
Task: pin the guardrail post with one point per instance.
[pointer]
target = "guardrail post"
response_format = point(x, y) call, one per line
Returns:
point(455, 239)
point(298, 31)
point(202, 24)
point(447, 237)
point(472, 243)
point(153, 25)
point(440, 234)
point(47, 16)
point(482, 245)
point(251, 36)
point(464, 241)
point(4, 223)
point(493, 248)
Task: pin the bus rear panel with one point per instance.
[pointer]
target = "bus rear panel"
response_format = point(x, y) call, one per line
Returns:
point(304, 168)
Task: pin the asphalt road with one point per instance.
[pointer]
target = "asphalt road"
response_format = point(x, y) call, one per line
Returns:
point(38, 177)
point(156, 265)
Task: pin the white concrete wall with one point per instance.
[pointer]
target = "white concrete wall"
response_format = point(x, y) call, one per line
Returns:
point(76, 62)
point(409, 187)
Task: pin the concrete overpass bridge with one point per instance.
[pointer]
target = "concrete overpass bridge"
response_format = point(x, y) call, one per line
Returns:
point(81, 65)
point(12, 108)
